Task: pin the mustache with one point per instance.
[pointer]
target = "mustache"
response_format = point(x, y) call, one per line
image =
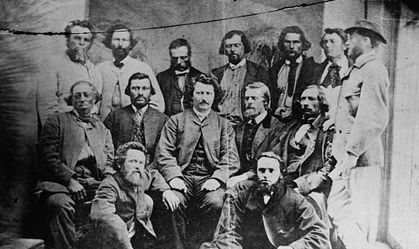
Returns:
point(203, 101)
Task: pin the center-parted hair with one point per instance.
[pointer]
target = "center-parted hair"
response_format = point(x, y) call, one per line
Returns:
point(81, 23)
point(121, 152)
point(229, 35)
point(69, 99)
point(264, 90)
point(321, 97)
point(340, 32)
point(118, 26)
point(306, 45)
point(138, 76)
point(180, 42)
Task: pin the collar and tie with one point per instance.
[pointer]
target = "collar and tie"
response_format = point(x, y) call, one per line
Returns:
point(292, 74)
point(182, 73)
point(332, 78)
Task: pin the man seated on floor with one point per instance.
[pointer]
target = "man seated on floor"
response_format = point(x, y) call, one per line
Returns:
point(264, 213)
point(121, 210)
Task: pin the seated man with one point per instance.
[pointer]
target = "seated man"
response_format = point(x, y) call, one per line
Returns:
point(75, 153)
point(306, 150)
point(251, 135)
point(196, 155)
point(264, 213)
point(121, 210)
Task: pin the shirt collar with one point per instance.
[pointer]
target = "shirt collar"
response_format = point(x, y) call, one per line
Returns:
point(259, 118)
point(201, 115)
point(298, 60)
point(364, 58)
point(177, 72)
point(125, 60)
point(240, 64)
point(342, 62)
point(77, 114)
point(141, 111)
point(88, 64)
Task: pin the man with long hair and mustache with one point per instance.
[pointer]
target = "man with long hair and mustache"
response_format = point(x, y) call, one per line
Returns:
point(115, 74)
point(60, 73)
point(121, 210)
point(263, 212)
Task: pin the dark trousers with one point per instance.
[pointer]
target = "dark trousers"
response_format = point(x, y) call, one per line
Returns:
point(197, 216)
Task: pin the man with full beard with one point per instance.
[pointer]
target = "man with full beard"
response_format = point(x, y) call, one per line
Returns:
point(234, 76)
point(60, 73)
point(251, 135)
point(264, 213)
point(121, 210)
point(176, 81)
point(115, 74)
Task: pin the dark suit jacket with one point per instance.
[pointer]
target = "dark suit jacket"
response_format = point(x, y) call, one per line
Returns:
point(180, 136)
point(260, 142)
point(310, 173)
point(245, 221)
point(305, 78)
point(254, 72)
point(121, 125)
point(61, 142)
point(169, 85)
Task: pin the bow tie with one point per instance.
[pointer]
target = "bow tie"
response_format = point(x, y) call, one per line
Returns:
point(118, 64)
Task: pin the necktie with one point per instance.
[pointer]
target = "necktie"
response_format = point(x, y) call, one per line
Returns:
point(332, 77)
point(291, 78)
point(138, 135)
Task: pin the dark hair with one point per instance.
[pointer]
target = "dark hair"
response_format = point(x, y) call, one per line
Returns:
point(340, 32)
point(81, 23)
point(180, 42)
point(118, 26)
point(296, 30)
point(229, 35)
point(265, 91)
point(69, 99)
point(138, 76)
point(375, 40)
point(121, 152)
point(207, 80)
point(321, 97)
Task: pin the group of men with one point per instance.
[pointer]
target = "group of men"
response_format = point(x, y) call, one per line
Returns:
point(242, 157)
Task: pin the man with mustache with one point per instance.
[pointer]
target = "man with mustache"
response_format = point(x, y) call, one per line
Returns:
point(252, 134)
point(196, 155)
point(236, 75)
point(60, 73)
point(121, 210)
point(291, 74)
point(138, 121)
point(307, 150)
point(115, 74)
point(263, 212)
point(177, 80)
point(76, 152)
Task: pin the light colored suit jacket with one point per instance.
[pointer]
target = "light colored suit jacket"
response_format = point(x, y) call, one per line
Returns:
point(111, 75)
point(180, 136)
point(359, 126)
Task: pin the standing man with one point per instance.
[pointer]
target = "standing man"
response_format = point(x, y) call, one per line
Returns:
point(177, 80)
point(306, 150)
point(237, 74)
point(291, 74)
point(121, 209)
point(252, 134)
point(361, 118)
point(265, 213)
point(115, 74)
point(76, 152)
point(196, 155)
point(75, 65)
point(137, 121)
point(330, 72)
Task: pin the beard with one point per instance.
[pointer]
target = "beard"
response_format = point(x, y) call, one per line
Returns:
point(140, 104)
point(180, 67)
point(264, 188)
point(77, 54)
point(134, 177)
point(120, 53)
point(234, 59)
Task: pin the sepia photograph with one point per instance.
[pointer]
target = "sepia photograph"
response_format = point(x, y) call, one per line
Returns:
point(209, 124)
